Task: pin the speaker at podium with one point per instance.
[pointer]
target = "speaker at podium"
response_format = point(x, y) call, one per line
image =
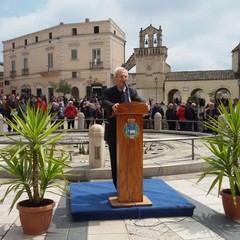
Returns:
point(130, 155)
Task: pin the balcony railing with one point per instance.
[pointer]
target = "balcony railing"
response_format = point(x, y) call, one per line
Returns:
point(25, 71)
point(96, 65)
point(13, 73)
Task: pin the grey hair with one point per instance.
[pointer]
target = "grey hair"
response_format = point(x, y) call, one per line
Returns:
point(115, 73)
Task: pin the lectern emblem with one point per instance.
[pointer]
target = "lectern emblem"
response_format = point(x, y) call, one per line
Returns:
point(131, 129)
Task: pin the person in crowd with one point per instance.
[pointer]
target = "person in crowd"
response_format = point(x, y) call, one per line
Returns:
point(112, 97)
point(171, 116)
point(87, 111)
point(223, 101)
point(11, 109)
point(61, 110)
point(82, 103)
point(21, 107)
point(189, 114)
point(94, 99)
point(211, 100)
point(195, 118)
point(60, 100)
point(156, 108)
point(235, 103)
point(33, 102)
point(147, 124)
point(97, 113)
point(70, 114)
point(4, 105)
point(75, 102)
point(181, 116)
point(177, 101)
point(41, 104)
point(54, 112)
point(210, 113)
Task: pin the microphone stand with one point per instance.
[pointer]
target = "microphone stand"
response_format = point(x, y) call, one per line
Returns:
point(128, 92)
point(129, 146)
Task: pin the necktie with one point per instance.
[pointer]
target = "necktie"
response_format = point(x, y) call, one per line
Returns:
point(123, 96)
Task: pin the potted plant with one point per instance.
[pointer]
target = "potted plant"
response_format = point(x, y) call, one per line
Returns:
point(224, 161)
point(35, 165)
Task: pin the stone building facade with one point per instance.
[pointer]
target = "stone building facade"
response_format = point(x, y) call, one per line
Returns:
point(154, 79)
point(83, 54)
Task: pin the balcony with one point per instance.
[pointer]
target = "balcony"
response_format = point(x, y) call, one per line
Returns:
point(50, 72)
point(96, 65)
point(13, 73)
point(25, 71)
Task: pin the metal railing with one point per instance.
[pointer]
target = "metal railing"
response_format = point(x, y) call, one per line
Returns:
point(92, 121)
point(175, 139)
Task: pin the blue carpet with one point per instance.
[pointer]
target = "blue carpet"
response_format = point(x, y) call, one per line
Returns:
point(89, 201)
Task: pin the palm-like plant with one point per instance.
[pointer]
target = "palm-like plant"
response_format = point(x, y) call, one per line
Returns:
point(33, 160)
point(225, 147)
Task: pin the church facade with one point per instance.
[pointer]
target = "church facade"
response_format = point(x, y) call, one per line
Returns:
point(154, 78)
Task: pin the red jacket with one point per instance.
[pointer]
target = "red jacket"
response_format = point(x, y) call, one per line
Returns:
point(70, 112)
point(180, 113)
point(42, 105)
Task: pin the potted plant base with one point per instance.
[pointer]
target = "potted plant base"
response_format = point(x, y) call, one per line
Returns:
point(231, 211)
point(35, 220)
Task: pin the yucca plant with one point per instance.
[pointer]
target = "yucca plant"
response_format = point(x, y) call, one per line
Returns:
point(32, 158)
point(225, 148)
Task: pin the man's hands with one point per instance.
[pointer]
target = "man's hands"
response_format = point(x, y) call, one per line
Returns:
point(115, 106)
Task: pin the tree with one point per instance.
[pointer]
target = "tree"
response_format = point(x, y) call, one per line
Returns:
point(62, 87)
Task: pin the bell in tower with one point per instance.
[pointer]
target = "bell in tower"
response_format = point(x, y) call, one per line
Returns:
point(150, 37)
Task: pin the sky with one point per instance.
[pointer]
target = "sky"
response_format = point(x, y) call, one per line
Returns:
point(199, 34)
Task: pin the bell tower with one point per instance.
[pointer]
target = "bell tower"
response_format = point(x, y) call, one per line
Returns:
point(150, 61)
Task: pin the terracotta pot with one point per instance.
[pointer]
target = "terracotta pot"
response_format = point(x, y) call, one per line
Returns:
point(35, 220)
point(231, 210)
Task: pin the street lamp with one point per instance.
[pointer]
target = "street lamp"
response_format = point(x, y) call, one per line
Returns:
point(156, 81)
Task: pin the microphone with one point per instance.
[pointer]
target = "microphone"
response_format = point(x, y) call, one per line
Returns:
point(128, 93)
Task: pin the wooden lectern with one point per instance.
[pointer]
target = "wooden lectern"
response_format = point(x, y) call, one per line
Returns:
point(130, 155)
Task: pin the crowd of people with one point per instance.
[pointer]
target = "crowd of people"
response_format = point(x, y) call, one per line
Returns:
point(60, 108)
point(186, 116)
point(178, 116)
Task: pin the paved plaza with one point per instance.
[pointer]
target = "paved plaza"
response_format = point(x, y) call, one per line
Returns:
point(169, 160)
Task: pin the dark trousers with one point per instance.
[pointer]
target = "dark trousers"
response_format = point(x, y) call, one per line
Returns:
point(113, 158)
point(62, 121)
point(70, 122)
point(10, 118)
point(182, 126)
point(110, 137)
point(171, 125)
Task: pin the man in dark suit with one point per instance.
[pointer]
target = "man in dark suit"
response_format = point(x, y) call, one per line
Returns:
point(112, 97)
